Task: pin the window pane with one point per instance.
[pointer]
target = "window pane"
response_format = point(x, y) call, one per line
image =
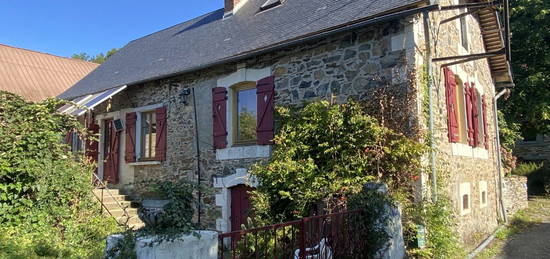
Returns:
point(246, 117)
point(148, 134)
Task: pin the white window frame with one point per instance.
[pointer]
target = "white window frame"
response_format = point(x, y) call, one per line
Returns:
point(465, 190)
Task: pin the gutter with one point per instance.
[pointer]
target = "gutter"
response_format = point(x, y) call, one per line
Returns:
point(290, 43)
point(428, 71)
point(499, 156)
point(484, 244)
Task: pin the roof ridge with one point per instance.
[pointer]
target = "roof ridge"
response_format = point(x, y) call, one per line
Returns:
point(49, 54)
point(178, 24)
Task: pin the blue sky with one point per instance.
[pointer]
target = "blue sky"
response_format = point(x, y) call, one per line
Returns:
point(65, 27)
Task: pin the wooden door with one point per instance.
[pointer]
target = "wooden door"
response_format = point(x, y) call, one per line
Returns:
point(240, 205)
point(110, 152)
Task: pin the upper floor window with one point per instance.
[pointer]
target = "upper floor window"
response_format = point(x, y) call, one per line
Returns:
point(463, 28)
point(244, 113)
point(148, 135)
point(466, 112)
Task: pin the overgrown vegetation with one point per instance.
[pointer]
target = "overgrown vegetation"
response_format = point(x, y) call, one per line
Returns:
point(46, 203)
point(172, 223)
point(538, 177)
point(324, 154)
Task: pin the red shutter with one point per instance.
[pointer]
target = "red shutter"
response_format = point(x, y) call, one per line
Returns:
point(219, 107)
point(265, 92)
point(485, 123)
point(450, 96)
point(475, 114)
point(160, 148)
point(69, 139)
point(468, 93)
point(130, 151)
point(92, 145)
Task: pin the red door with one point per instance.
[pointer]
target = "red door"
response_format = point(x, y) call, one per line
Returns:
point(110, 152)
point(240, 205)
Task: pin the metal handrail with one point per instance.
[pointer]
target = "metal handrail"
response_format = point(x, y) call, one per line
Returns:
point(99, 183)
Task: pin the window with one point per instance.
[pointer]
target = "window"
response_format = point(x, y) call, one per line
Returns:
point(464, 200)
point(461, 110)
point(270, 4)
point(463, 28)
point(481, 125)
point(245, 113)
point(148, 135)
point(483, 194)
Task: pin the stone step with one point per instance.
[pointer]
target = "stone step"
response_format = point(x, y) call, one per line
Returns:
point(117, 213)
point(109, 199)
point(106, 192)
point(133, 222)
point(117, 205)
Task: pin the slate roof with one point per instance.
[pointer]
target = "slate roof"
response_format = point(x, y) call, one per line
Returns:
point(37, 76)
point(210, 38)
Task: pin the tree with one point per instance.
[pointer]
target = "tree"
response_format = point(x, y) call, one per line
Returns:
point(529, 104)
point(99, 58)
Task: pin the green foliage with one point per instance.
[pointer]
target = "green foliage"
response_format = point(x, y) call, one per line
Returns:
point(440, 222)
point(509, 132)
point(46, 203)
point(538, 177)
point(323, 153)
point(529, 103)
point(99, 58)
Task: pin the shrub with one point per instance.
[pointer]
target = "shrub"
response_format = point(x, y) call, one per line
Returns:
point(46, 203)
point(538, 177)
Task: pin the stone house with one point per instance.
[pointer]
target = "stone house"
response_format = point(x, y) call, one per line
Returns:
point(196, 100)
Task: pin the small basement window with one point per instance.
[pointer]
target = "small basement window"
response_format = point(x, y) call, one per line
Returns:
point(483, 194)
point(270, 4)
point(465, 199)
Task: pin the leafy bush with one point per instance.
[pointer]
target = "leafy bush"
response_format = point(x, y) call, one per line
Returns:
point(46, 203)
point(538, 177)
point(325, 152)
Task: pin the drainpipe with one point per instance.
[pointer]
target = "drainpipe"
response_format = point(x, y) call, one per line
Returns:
point(428, 71)
point(499, 158)
point(199, 180)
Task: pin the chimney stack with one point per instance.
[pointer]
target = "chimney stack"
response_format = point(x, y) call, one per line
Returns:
point(233, 5)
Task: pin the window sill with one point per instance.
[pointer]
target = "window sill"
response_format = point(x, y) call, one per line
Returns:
point(144, 163)
point(465, 212)
point(459, 149)
point(243, 152)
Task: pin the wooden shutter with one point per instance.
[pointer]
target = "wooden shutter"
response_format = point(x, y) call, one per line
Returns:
point(160, 148)
point(450, 96)
point(265, 93)
point(475, 115)
point(468, 98)
point(485, 123)
point(130, 151)
point(219, 108)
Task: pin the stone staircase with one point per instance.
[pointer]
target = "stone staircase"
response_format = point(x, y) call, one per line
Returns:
point(115, 203)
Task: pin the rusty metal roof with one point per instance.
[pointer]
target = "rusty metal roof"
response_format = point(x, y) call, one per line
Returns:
point(37, 76)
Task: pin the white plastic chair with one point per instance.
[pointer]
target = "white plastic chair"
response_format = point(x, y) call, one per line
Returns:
point(324, 251)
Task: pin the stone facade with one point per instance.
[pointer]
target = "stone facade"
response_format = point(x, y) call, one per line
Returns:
point(514, 194)
point(378, 65)
point(347, 66)
point(462, 169)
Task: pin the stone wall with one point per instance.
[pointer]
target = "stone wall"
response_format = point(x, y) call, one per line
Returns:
point(461, 168)
point(514, 194)
point(373, 64)
point(537, 150)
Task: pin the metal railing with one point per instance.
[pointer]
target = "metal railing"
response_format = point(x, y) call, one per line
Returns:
point(100, 185)
point(337, 235)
